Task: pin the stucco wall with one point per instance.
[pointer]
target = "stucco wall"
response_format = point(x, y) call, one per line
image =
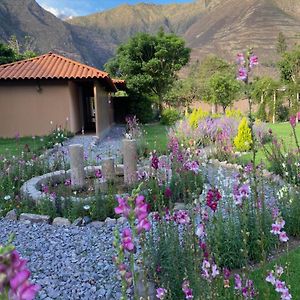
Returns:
point(76, 110)
point(104, 109)
point(27, 111)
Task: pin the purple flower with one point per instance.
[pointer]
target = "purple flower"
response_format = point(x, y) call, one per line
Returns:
point(181, 217)
point(161, 293)
point(283, 237)
point(154, 161)
point(188, 292)
point(237, 282)
point(242, 74)
point(253, 61)
point(293, 121)
point(271, 278)
point(168, 192)
point(241, 59)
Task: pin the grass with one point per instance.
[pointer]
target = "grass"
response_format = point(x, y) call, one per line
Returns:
point(10, 147)
point(156, 137)
point(283, 131)
point(291, 278)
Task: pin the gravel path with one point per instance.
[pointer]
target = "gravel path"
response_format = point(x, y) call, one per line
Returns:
point(109, 146)
point(67, 262)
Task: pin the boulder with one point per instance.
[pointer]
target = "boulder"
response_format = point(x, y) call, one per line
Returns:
point(61, 222)
point(33, 218)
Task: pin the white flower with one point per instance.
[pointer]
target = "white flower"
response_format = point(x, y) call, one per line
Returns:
point(7, 197)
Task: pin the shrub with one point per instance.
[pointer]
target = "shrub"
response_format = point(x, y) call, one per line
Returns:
point(234, 113)
point(170, 116)
point(243, 140)
point(195, 116)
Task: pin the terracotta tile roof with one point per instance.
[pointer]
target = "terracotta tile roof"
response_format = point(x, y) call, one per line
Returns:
point(120, 84)
point(52, 66)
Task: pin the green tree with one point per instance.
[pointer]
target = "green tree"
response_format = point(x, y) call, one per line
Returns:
point(7, 55)
point(281, 46)
point(289, 68)
point(204, 71)
point(265, 92)
point(223, 89)
point(149, 63)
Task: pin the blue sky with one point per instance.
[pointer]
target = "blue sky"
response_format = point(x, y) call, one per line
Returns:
point(66, 8)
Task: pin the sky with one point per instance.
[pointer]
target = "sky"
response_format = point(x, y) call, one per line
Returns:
point(69, 8)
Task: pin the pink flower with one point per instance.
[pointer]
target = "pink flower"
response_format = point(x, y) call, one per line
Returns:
point(212, 198)
point(154, 161)
point(293, 121)
point(253, 61)
point(123, 208)
point(161, 293)
point(285, 294)
point(200, 231)
point(241, 59)
point(242, 74)
point(181, 217)
point(141, 212)
point(237, 282)
point(283, 237)
point(275, 229)
point(127, 242)
point(144, 224)
point(98, 174)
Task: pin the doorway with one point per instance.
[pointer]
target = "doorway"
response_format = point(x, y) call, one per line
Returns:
point(88, 105)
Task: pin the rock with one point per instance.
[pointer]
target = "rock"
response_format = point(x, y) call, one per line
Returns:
point(179, 206)
point(96, 224)
point(108, 168)
point(110, 221)
point(130, 161)
point(143, 288)
point(121, 220)
point(86, 220)
point(61, 221)
point(33, 218)
point(77, 222)
point(12, 215)
point(77, 166)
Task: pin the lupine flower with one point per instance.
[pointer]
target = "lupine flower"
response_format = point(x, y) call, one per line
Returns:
point(242, 74)
point(161, 293)
point(212, 198)
point(123, 208)
point(188, 292)
point(293, 121)
point(127, 241)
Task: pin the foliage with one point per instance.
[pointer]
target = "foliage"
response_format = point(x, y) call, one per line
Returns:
point(223, 89)
point(234, 113)
point(141, 107)
point(11, 52)
point(149, 63)
point(195, 116)
point(243, 139)
point(170, 116)
point(281, 45)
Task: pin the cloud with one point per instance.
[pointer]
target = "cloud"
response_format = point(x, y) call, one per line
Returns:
point(62, 13)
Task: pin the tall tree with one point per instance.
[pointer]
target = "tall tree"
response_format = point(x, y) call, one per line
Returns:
point(223, 89)
point(149, 63)
point(281, 46)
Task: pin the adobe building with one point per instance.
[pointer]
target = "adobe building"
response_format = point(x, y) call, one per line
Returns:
point(39, 94)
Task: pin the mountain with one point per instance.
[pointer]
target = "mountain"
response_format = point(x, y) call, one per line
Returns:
point(223, 27)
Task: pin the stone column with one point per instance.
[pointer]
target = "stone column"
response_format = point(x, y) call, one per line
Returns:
point(108, 168)
point(130, 161)
point(77, 166)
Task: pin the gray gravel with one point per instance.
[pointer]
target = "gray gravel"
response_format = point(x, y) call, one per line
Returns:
point(109, 146)
point(67, 262)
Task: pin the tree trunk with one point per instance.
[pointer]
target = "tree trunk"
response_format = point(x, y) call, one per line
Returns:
point(224, 110)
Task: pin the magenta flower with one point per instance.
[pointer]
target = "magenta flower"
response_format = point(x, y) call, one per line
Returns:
point(279, 286)
point(253, 61)
point(182, 217)
point(168, 192)
point(293, 121)
point(212, 198)
point(123, 208)
point(188, 292)
point(141, 212)
point(161, 293)
point(154, 161)
point(242, 74)
point(275, 229)
point(98, 174)
point(127, 241)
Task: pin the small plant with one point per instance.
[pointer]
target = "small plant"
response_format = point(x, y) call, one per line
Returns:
point(170, 116)
point(243, 140)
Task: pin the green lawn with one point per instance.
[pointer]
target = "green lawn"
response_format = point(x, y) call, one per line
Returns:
point(283, 131)
point(156, 137)
point(292, 278)
point(10, 147)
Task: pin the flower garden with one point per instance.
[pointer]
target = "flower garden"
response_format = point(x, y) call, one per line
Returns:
point(196, 221)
